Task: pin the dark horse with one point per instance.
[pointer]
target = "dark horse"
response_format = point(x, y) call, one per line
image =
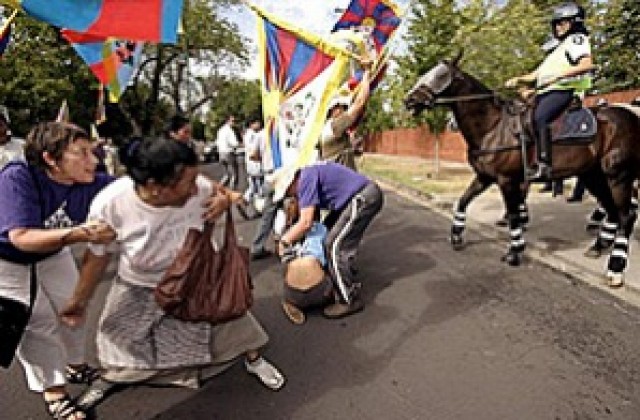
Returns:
point(608, 164)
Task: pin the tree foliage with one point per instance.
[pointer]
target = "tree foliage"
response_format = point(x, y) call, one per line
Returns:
point(617, 41)
point(38, 72)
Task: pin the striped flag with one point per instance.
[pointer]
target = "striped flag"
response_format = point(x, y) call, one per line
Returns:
point(300, 72)
point(138, 20)
point(380, 17)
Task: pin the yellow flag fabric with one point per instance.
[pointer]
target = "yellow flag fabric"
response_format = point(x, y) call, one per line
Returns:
point(300, 72)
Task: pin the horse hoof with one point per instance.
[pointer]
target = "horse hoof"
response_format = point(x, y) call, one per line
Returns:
point(615, 280)
point(593, 252)
point(512, 258)
point(457, 242)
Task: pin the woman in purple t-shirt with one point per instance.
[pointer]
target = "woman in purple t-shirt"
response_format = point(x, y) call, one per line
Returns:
point(43, 209)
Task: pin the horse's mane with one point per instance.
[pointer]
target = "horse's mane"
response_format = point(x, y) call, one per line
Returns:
point(477, 84)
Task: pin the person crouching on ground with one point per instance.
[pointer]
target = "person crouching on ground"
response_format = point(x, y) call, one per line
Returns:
point(152, 210)
point(306, 283)
point(352, 200)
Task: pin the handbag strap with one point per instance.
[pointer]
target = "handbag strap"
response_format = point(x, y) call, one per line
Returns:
point(230, 237)
point(33, 272)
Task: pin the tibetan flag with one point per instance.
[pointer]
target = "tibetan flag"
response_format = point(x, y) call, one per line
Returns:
point(112, 61)
point(5, 32)
point(379, 17)
point(137, 20)
point(299, 73)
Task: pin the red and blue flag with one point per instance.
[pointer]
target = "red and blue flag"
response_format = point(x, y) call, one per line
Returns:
point(290, 63)
point(137, 20)
point(112, 61)
point(380, 16)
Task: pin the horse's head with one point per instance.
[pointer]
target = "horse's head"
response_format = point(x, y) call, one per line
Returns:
point(431, 85)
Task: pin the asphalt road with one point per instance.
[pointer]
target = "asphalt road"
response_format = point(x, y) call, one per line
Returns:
point(444, 335)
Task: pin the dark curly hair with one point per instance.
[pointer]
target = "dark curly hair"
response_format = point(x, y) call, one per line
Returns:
point(158, 159)
point(53, 138)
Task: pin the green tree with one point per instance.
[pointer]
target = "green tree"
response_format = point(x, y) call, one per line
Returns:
point(616, 45)
point(188, 75)
point(38, 72)
point(238, 97)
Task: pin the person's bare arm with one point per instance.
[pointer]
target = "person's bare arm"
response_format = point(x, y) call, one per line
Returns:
point(91, 272)
point(48, 240)
point(360, 100)
point(526, 78)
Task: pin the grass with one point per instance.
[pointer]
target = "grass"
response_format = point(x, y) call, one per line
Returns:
point(418, 173)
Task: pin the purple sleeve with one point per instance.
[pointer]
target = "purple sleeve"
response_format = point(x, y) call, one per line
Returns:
point(18, 199)
point(308, 189)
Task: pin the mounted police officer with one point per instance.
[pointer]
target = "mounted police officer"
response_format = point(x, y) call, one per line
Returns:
point(564, 73)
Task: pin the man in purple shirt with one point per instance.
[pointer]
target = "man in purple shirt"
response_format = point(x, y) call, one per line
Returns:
point(352, 200)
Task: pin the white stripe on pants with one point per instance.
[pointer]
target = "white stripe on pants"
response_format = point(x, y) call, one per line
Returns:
point(47, 345)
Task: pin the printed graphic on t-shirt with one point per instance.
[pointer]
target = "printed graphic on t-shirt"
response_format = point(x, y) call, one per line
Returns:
point(59, 218)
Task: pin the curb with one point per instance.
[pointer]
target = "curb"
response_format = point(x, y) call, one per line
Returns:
point(535, 250)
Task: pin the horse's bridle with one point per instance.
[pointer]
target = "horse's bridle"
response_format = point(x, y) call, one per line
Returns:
point(461, 98)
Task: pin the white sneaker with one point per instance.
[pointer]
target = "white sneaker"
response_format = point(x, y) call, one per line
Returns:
point(266, 372)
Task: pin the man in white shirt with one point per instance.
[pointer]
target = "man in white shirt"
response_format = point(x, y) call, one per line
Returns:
point(253, 147)
point(10, 148)
point(227, 143)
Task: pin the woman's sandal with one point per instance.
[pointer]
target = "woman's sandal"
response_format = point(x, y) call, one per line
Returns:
point(64, 408)
point(83, 374)
point(268, 374)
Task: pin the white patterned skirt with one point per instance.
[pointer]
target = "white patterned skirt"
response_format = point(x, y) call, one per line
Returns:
point(138, 342)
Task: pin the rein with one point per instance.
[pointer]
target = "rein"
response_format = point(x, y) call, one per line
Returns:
point(464, 98)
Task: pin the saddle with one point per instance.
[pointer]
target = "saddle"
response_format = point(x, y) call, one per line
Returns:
point(576, 126)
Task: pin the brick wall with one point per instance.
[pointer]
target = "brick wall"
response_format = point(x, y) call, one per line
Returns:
point(420, 142)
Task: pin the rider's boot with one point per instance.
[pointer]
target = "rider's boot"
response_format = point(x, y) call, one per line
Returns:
point(542, 170)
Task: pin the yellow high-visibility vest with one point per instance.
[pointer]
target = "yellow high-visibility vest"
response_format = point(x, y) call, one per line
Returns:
point(557, 63)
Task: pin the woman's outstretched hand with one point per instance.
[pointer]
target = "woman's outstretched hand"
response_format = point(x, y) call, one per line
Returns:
point(215, 205)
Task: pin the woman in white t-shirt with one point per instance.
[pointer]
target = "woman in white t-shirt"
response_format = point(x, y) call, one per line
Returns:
point(151, 211)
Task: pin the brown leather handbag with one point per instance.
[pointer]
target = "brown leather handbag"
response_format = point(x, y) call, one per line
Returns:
point(204, 285)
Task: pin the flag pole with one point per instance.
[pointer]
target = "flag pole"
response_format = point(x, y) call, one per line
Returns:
point(9, 21)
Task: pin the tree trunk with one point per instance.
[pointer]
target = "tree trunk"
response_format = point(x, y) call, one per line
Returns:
point(154, 94)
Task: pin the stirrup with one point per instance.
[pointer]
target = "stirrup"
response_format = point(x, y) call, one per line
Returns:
point(541, 172)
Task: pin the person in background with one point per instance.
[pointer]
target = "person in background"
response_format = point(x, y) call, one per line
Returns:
point(43, 209)
point(335, 143)
point(11, 148)
point(352, 200)
point(253, 145)
point(227, 142)
point(270, 207)
point(151, 210)
point(179, 128)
